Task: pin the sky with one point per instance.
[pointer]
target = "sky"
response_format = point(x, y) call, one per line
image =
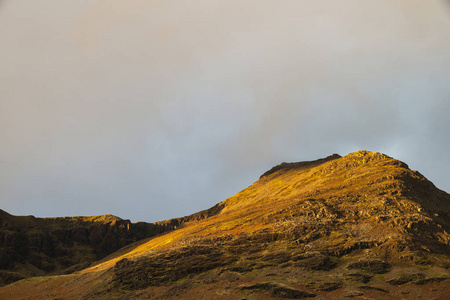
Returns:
point(151, 110)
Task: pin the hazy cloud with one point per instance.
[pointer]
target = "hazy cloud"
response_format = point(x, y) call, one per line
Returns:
point(156, 109)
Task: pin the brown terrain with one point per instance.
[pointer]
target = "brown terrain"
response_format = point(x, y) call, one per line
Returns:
point(363, 226)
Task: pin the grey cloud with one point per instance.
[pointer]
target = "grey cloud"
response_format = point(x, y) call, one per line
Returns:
point(154, 109)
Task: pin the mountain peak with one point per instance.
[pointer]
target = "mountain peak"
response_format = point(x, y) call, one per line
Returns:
point(351, 160)
point(365, 156)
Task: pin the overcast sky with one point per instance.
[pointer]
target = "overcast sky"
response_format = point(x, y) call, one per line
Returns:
point(151, 110)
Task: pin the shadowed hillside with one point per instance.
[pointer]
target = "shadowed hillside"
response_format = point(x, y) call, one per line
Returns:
point(363, 225)
point(32, 246)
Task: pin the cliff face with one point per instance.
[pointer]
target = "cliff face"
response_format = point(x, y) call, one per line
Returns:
point(359, 225)
point(35, 246)
point(32, 246)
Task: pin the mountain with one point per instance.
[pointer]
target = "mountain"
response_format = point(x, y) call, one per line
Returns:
point(361, 226)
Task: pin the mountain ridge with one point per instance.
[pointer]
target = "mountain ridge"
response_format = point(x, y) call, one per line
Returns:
point(31, 246)
point(298, 165)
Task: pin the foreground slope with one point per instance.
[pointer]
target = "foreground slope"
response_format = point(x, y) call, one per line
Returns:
point(360, 225)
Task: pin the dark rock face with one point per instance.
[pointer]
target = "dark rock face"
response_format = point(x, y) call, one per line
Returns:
point(58, 243)
point(277, 290)
point(13, 248)
point(63, 244)
point(373, 266)
point(55, 244)
point(300, 165)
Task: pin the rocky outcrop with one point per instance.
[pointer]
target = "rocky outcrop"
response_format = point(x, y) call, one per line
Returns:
point(299, 165)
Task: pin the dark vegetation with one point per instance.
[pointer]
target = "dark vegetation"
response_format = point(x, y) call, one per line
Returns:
point(278, 290)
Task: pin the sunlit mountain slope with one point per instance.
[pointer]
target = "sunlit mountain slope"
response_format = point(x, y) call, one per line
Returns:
point(363, 225)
